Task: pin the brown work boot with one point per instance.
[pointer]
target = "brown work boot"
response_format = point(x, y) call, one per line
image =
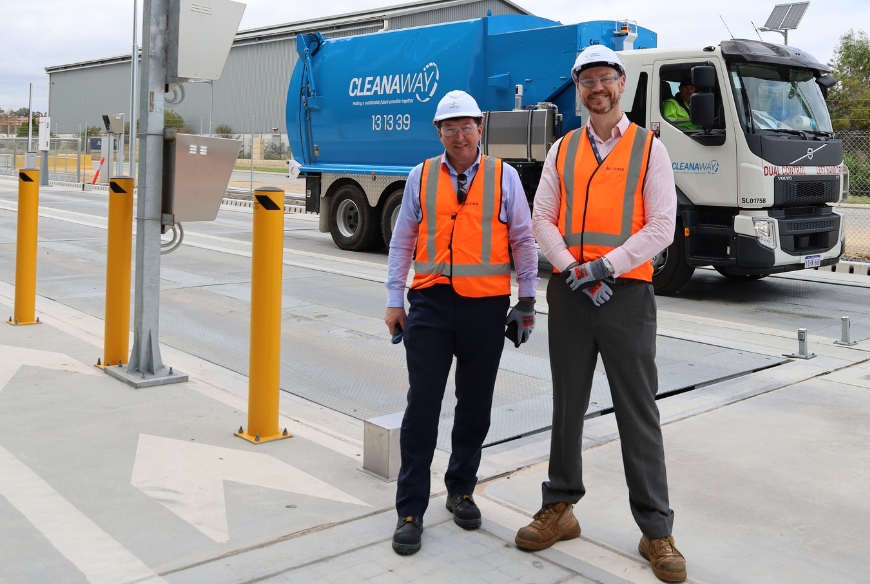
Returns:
point(551, 524)
point(667, 562)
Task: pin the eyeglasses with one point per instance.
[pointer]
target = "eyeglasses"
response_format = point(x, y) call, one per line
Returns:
point(451, 131)
point(589, 83)
point(461, 193)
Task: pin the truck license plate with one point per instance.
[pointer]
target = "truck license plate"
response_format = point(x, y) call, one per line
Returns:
point(813, 261)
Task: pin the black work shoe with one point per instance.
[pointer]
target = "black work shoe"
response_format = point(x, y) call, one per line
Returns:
point(406, 539)
point(465, 513)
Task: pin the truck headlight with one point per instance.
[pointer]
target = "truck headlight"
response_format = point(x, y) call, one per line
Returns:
point(765, 233)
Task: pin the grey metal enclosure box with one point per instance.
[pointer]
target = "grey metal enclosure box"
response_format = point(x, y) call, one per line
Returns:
point(205, 35)
point(197, 170)
point(381, 454)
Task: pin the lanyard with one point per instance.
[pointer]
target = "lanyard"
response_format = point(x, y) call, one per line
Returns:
point(594, 147)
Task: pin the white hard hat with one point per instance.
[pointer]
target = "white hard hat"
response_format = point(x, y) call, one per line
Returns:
point(456, 104)
point(596, 56)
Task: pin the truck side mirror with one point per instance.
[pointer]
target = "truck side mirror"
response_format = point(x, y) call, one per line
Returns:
point(704, 78)
point(825, 83)
point(701, 109)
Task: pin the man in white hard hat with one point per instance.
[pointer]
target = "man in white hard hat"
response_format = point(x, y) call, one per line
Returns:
point(605, 205)
point(460, 213)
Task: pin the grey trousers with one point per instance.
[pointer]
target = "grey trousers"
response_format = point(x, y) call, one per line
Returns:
point(623, 331)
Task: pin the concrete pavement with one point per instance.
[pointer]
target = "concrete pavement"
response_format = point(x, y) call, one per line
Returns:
point(103, 483)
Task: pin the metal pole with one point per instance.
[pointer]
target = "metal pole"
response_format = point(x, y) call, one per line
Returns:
point(264, 371)
point(211, 108)
point(79, 158)
point(252, 155)
point(134, 83)
point(30, 119)
point(120, 168)
point(145, 357)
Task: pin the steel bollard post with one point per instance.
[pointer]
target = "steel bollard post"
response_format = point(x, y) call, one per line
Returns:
point(264, 374)
point(25, 248)
point(116, 337)
point(845, 333)
point(803, 351)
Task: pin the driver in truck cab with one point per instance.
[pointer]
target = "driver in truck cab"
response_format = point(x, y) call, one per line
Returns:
point(460, 213)
point(676, 109)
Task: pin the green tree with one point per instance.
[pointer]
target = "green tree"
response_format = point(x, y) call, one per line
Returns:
point(172, 119)
point(849, 100)
point(22, 128)
point(223, 131)
point(91, 131)
point(276, 151)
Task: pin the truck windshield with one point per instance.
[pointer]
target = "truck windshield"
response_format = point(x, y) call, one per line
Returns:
point(778, 98)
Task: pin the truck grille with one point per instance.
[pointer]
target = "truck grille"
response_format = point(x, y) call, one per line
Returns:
point(811, 225)
point(792, 211)
point(806, 192)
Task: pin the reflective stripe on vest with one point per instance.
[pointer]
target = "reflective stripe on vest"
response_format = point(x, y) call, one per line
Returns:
point(602, 204)
point(483, 239)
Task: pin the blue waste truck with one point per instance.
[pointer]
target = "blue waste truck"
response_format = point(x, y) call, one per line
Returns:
point(751, 201)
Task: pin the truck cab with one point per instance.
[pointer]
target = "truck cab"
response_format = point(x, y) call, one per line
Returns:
point(754, 180)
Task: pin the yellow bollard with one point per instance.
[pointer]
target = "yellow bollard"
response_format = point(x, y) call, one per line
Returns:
point(264, 371)
point(116, 338)
point(25, 248)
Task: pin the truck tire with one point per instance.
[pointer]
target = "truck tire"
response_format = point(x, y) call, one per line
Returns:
point(352, 223)
point(670, 270)
point(389, 214)
point(739, 277)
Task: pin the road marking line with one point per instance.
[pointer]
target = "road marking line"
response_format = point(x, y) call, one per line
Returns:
point(188, 479)
point(15, 357)
point(98, 556)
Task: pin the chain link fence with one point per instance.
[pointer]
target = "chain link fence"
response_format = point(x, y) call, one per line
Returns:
point(268, 167)
point(67, 160)
point(856, 152)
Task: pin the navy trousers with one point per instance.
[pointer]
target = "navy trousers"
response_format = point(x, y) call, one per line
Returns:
point(441, 324)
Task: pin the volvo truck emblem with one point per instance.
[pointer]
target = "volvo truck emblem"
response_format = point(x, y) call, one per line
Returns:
point(809, 154)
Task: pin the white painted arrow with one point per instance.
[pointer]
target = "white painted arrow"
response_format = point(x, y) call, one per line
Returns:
point(188, 479)
point(15, 357)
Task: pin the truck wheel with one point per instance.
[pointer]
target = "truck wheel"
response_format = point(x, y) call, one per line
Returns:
point(352, 223)
point(731, 275)
point(670, 270)
point(390, 214)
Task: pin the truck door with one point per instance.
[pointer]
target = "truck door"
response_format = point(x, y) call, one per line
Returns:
point(705, 174)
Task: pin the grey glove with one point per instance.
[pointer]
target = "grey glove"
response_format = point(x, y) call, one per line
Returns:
point(599, 293)
point(586, 275)
point(520, 322)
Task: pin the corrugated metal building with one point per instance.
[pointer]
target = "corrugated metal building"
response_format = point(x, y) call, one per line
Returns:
point(256, 75)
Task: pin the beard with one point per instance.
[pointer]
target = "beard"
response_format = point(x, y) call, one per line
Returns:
point(600, 108)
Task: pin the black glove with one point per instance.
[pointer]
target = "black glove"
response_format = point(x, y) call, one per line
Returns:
point(520, 322)
point(581, 276)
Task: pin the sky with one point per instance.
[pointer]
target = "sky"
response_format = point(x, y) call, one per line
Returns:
point(57, 32)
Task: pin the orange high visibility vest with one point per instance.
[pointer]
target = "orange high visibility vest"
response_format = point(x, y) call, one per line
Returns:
point(602, 205)
point(466, 245)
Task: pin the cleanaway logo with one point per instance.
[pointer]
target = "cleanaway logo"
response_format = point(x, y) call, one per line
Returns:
point(711, 167)
point(422, 84)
